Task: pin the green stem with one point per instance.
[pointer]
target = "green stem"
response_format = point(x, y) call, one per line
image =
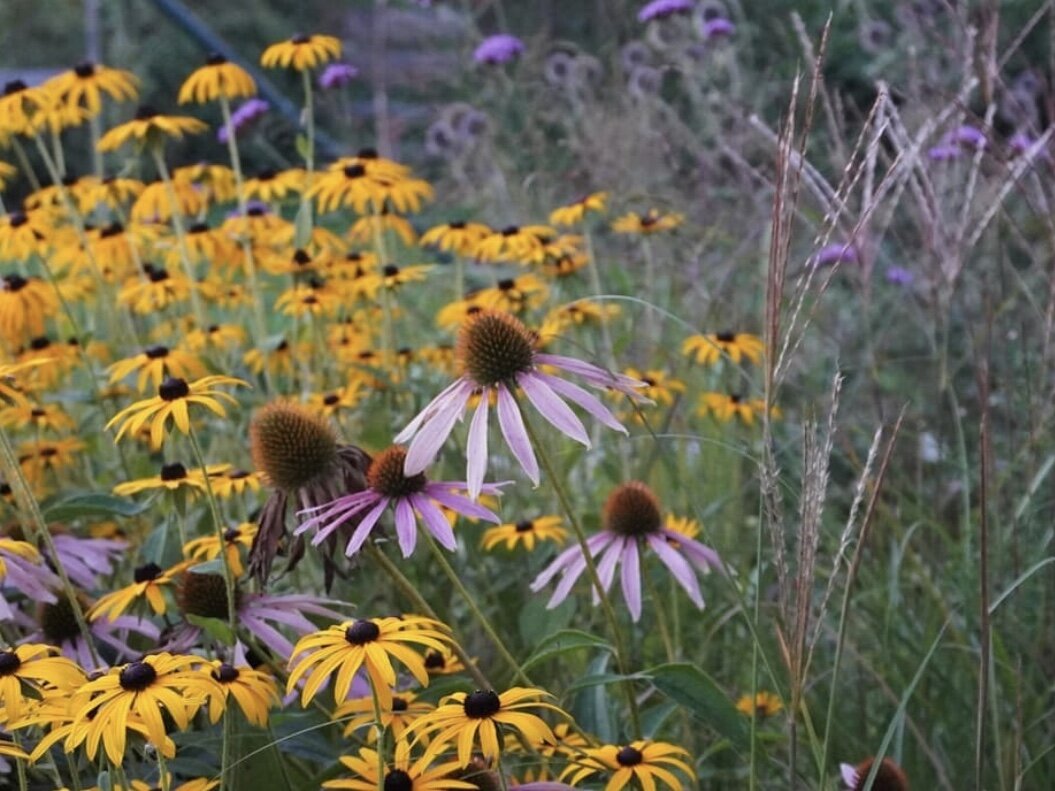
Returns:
point(28, 503)
point(20, 767)
point(608, 353)
point(225, 750)
point(470, 602)
point(164, 780)
point(379, 726)
point(591, 569)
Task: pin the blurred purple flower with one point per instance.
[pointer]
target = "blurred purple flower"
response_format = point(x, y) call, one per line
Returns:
point(337, 75)
point(944, 152)
point(719, 27)
point(899, 276)
point(660, 9)
point(113, 633)
point(967, 136)
point(85, 559)
point(498, 49)
point(1020, 143)
point(249, 111)
point(836, 253)
point(23, 570)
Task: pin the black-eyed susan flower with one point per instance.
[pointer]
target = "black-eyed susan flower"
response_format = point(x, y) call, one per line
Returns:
point(359, 713)
point(302, 52)
point(680, 525)
point(459, 237)
point(366, 643)
point(330, 403)
point(159, 201)
point(574, 213)
point(761, 704)
point(273, 185)
point(87, 82)
point(26, 668)
point(463, 719)
point(23, 234)
point(157, 685)
point(22, 569)
point(633, 522)
point(157, 290)
point(155, 364)
point(642, 761)
point(513, 294)
point(215, 336)
point(174, 399)
point(12, 382)
point(173, 476)
point(391, 277)
point(113, 192)
point(217, 79)
point(229, 481)
point(254, 691)
point(652, 221)
point(313, 298)
point(215, 182)
point(18, 105)
point(724, 407)
point(235, 539)
point(43, 417)
point(277, 361)
point(204, 243)
point(497, 354)
point(149, 127)
point(7, 174)
point(149, 582)
point(353, 186)
point(521, 244)
point(527, 532)
point(401, 774)
point(709, 349)
point(39, 458)
point(660, 386)
point(364, 230)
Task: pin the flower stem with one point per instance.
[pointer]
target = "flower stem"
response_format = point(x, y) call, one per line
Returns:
point(20, 767)
point(379, 726)
point(591, 569)
point(411, 592)
point(29, 504)
point(225, 750)
point(164, 780)
point(470, 602)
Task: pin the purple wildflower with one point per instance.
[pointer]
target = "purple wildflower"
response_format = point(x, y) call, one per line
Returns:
point(944, 152)
point(337, 75)
point(632, 522)
point(899, 276)
point(1020, 143)
point(967, 136)
point(409, 496)
point(498, 49)
point(497, 354)
point(22, 569)
point(241, 118)
point(661, 9)
point(58, 627)
point(836, 253)
point(85, 559)
point(718, 27)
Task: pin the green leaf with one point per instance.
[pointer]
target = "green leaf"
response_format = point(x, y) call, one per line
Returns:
point(91, 505)
point(593, 708)
point(216, 629)
point(302, 226)
point(602, 679)
point(561, 643)
point(214, 566)
point(690, 687)
point(536, 622)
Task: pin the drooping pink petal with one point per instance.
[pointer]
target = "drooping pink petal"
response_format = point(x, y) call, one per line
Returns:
point(462, 505)
point(587, 401)
point(435, 522)
point(340, 512)
point(512, 424)
point(595, 543)
point(678, 566)
point(406, 526)
point(594, 374)
point(552, 408)
point(428, 412)
point(361, 533)
point(849, 775)
point(476, 450)
point(606, 567)
point(434, 432)
point(700, 555)
point(631, 579)
point(567, 582)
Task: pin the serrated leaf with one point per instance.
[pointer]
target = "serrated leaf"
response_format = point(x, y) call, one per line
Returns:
point(561, 643)
point(91, 505)
point(693, 689)
point(216, 629)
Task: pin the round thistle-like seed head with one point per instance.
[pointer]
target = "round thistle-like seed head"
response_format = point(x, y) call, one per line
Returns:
point(292, 446)
point(494, 347)
point(386, 477)
point(481, 703)
point(204, 595)
point(632, 510)
point(890, 777)
point(137, 676)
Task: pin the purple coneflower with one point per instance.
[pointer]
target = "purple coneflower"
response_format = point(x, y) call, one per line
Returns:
point(410, 496)
point(967, 136)
point(718, 27)
point(836, 253)
point(22, 569)
point(944, 152)
point(242, 117)
point(497, 354)
point(632, 521)
point(86, 559)
point(337, 75)
point(899, 276)
point(660, 9)
point(889, 776)
point(498, 49)
point(57, 625)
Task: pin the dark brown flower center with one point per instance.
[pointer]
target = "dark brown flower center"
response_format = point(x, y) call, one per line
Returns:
point(17, 219)
point(216, 59)
point(137, 676)
point(493, 347)
point(299, 38)
point(386, 477)
point(113, 229)
point(84, 69)
point(362, 632)
point(156, 352)
point(510, 230)
point(14, 86)
point(400, 704)
point(354, 171)
point(525, 526)
point(390, 270)
point(434, 661)
point(629, 756)
point(292, 446)
point(9, 663)
point(145, 113)
point(481, 704)
point(632, 510)
point(58, 621)
point(173, 389)
point(225, 673)
point(147, 573)
point(398, 780)
point(204, 595)
point(173, 471)
point(725, 337)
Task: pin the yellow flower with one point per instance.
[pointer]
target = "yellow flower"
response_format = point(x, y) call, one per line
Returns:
point(148, 582)
point(359, 713)
point(173, 400)
point(253, 690)
point(328, 404)
point(400, 774)
point(18, 105)
point(148, 127)
point(215, 336)
point(218, 78)
point(513, 294)
point(526, 532)
point(234, 539)
point(48, 417)
point(314, 298)
point(88, 81)
point(279, 360)
point(687, 527)
point(302, 52)
point(154, 365)
point(9, 388)
point(763, 704)
point(227, 481)
point(391, 276)
point(573, 213)
point(652, 221)
point(443, 662)
point(26, 669)
point(23, 234)
point(348, 646)
point(156, 291)
point(709, 349)
point(520, 244)
point(7, 172)
point(574, 314)
point(659, 386)
point(725, 407)
point(114, 192)
point(40, 457)
point(272, 185)
point(643, 761)
point(463, 718)
point(461, 238)
point(173, 476)
point(353, 186)
point(365, 229)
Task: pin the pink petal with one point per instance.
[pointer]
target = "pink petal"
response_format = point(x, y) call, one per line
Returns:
point(343, 515)
point(406, 526)
point(552, 408)
point(363, 530)
point(462, 505)
point(678, 566)
point(594, 374)
point(849, 775)
point(606, 567)
point(631, 579)
point(428, 412)
point(512, 425)
point(476, 450)
point(436, 522)
point(571, 575)
point(586, 400)
point(700, 555)
point(559, 563)
point(434, 432)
